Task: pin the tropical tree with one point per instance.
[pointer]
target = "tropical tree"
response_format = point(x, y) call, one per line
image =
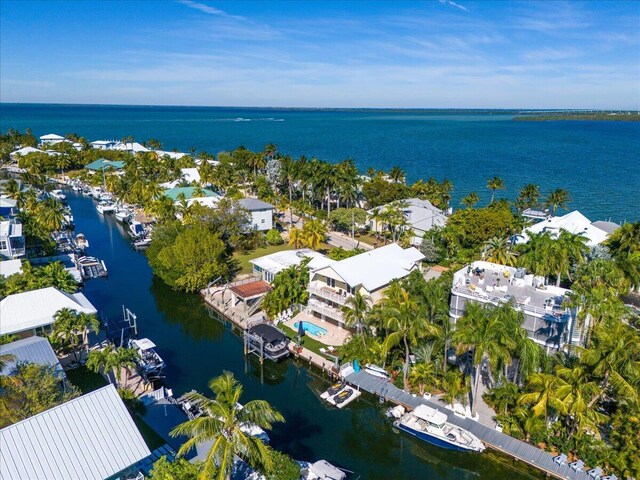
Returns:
point(556, 199)
point(397, 175)
point(289, 288)
point(529, 197)
point(471, 200)
point(114, 359)
point(495, 183)
point(355, 312)
point(296, 237)
point(498, 250)
point(544, 395)
point(454, 385)
point(314, 233)
point(224, 427)
point(50, 214)
point(424, 377)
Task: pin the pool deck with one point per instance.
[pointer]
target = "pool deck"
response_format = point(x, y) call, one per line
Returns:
point(334, 337)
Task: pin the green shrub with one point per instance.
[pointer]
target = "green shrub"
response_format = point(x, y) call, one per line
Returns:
point(274, 237)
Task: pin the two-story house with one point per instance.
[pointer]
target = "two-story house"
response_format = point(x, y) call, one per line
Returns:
point(369, 273)
point(547, 318)
point(12, 243)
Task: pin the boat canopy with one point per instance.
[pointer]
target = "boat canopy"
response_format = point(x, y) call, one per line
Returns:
point(430, 415)
point(268, 333)
point(324, 470)
point(143, 344)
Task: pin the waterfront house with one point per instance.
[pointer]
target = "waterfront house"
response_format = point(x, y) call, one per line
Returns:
point(50, 139)
point(31, 350)
point(8, 207)
point(261, 213)
point(23, 152)
point(268, 266)
point(32, 313)
point(573, 222)
point(368, 273)
point(91, 437)
point(188, 175)
point(547, 319)
point(12, 242)
point(131, 147)
point(207, 197)
point(171, 155)
point(104, 164)
point(104, 144)
point(421, 216)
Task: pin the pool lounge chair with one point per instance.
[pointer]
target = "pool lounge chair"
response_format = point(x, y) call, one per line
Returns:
point(595, 473)
point(560, 459)
point(577, 465)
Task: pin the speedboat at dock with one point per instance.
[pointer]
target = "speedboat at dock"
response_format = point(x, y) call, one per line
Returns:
point(149, 361)
point(81, 242)
point(136, 229)
point(376, 371)
point(122, 214)
point(431, 426)
point(105, 207)
point(58, 195)
point(321, 470)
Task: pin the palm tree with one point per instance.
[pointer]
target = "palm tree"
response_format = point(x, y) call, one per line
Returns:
point(544, 394)
point(58, 276)
point(224, 427)
point(495, 183)
point(296, 237)
point(355, 312)
point(471, 200)
point(11, 188)
point(558, 198)
point(529, 197)
point(5, 358)
point(314, 233)
point(396, 174)
point(498, 251)
point(454, 385)
point(50, 214)
point(424, 377)
point(405, 323)
point(114, 359)
point(482, 331)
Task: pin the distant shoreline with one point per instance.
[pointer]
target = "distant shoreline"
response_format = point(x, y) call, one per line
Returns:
point(608, 117)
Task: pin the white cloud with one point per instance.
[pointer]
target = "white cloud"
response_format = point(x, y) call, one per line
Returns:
point(454, 4)
point(208, 9)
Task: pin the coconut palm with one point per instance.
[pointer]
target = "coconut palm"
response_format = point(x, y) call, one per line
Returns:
point(5, 358)
point(498, 250)
point(397, 175)
point(424, 377)
point(454, 385)
point(57, 276)
point(495, 183)
point(11, 188)
point(471, 200)
point(543, 395)
point(314, 233)
point(296, 237)
point(50, 214)
point(224, 427)
point(114, 359)
point(481, 331)
point(529, 197)
point(556, 199)
point(355, 312)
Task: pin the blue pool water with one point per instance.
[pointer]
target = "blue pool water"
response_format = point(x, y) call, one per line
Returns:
point(311, 328)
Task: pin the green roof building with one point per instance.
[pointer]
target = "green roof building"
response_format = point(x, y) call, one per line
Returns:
point(188, 192)
point(103, 163)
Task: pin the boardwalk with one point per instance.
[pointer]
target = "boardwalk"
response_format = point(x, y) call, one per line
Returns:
point(497, 440)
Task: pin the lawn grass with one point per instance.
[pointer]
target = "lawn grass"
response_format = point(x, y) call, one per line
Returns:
point(151, 438)
point(86, 380)
point(307, 342)
point(244, 258)
point(369, 239)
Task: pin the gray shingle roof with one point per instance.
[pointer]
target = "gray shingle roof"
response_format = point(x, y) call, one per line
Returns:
point(253, 204)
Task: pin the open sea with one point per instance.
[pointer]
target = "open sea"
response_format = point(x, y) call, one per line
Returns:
point(597, 162)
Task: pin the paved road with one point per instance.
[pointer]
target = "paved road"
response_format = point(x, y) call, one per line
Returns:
point(338, 239)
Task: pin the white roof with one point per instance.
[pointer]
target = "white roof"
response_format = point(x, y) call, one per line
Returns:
point(89, 437)
point(276, 262)
point(9, 267)
point(131, 147)
point(26, 151)
point(430, 414)
point(186, 174)
point(32, 350)
point(29, 310)
point(210, 202)
point(143, 344)
point(573, 222)
point(103, 142)
point(51, 136)
point(376, 268)
point(10, 228)
point(172, 155)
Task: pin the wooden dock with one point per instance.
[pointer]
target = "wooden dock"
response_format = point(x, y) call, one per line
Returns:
point(517, 449)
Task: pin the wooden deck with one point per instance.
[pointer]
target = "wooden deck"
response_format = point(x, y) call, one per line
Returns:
point(492, 438)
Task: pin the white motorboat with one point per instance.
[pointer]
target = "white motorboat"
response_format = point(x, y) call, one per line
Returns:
point(148, 361)
point(431, 426)
point(142, 243)
point(376, 371)
point(58, 194)
point(81, 242)
point(321, 470)
point(105, 207)
point(136, 229)
point(122, 214)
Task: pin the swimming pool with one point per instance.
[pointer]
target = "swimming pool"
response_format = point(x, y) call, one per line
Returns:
point(311, 328)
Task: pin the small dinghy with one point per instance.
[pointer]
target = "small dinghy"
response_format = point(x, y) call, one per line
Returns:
point(376, 371)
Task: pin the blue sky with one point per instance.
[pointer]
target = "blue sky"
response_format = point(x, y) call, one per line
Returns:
point(431, 54)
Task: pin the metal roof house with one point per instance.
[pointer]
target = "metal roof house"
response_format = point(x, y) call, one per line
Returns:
point(91, 437)
point(10, 267)
point(28, 313)
point(270, 265)
point(51, 139)
point(261, 213)
point(31, 350)
point(104, 164)
point(369, 273)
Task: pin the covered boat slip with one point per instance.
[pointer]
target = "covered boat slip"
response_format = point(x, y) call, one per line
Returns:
point(266, 341)
point(491, 437)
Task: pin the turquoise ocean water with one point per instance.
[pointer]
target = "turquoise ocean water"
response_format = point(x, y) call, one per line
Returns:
point(597, 162)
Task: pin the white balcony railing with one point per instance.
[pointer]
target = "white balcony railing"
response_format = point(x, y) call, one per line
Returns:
point(326, 310)
point(325, 292)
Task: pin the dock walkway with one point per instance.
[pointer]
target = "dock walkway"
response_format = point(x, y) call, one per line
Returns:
point(515, 448)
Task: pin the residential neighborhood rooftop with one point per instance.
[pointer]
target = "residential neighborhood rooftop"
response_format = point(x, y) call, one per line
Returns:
point(278, 261)
point(91, 437)
point(188, 192)
point(573, 222)
point(105, 163)
point(253, 204)
point(31, 350)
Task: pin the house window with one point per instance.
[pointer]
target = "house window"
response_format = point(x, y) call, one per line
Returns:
point(331, 282)
point(3, 245)
point(262, 221)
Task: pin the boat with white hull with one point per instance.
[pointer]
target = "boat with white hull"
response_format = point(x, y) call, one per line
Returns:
point(148, 361)
point(431, 426)
point(105, 207)
point(376, 371)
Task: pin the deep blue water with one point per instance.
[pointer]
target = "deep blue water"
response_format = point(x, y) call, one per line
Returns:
point(197, 347)
point(597, 162)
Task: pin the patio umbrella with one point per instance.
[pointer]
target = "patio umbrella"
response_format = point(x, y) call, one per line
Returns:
point(300, 329)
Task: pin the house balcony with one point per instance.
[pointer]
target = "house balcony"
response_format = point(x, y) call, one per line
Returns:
point(323, 291)
point(325, 309)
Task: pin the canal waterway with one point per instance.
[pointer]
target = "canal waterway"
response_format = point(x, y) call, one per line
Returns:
point(198, 347)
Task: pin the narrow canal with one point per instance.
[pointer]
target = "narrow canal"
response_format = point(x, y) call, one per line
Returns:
point(197, 347)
